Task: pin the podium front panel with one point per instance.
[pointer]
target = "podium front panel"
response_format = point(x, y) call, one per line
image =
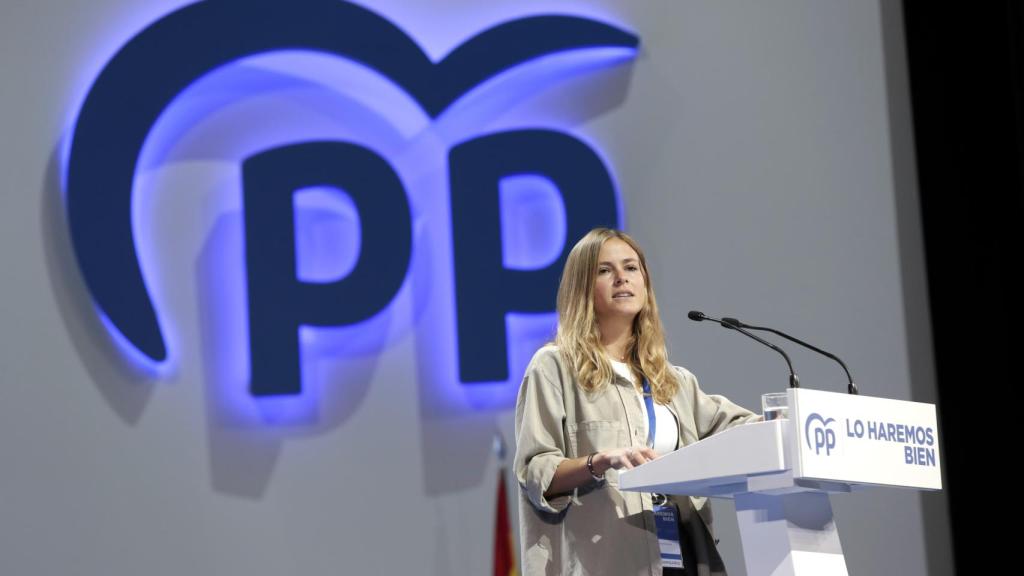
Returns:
point(864, 440)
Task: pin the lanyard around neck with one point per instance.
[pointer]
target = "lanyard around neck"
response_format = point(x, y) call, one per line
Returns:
point(652, 422)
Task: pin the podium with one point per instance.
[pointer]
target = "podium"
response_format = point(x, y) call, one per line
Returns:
point(781, 473)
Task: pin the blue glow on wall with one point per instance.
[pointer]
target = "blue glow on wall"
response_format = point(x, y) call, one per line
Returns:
point(327, 234)
point(220, 118)
point(533, 220)
point(136, 359)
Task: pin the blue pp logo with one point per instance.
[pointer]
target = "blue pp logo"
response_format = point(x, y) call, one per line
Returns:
point(819, 435)
point(161, 61)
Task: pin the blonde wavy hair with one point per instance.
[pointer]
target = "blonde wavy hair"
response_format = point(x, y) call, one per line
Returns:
point(579, 336)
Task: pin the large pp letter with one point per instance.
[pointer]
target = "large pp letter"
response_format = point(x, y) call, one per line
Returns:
point(485, 290)
point(278, 301)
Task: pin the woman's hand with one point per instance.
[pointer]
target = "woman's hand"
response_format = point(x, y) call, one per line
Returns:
point(574, 473)
point(621, 458)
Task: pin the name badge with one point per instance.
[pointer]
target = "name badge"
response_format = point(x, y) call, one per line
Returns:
point(667, 522)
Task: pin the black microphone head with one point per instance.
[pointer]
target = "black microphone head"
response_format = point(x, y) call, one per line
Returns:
point(695, 315)
point(732, 322)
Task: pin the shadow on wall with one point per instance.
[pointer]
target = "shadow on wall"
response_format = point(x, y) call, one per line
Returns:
point(245, 435)
point(125, 387)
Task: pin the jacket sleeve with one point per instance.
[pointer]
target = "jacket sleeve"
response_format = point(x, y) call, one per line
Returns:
point(712, 413)
point(540, 439)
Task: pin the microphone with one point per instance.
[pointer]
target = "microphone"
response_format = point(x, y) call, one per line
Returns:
point(696, 316)
point(851, 388)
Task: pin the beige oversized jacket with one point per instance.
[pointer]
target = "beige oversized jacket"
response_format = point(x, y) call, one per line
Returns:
point(597, 529)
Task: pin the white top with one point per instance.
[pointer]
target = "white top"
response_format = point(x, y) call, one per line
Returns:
point(666, 435)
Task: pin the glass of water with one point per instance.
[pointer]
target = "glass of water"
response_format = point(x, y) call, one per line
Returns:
point(775, 405)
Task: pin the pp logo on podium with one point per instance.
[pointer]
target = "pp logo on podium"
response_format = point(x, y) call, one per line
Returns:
point(819, 434)
point(139, 82)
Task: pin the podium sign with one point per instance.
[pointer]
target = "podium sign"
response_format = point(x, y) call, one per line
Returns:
point(780, 473)
point(864, 440)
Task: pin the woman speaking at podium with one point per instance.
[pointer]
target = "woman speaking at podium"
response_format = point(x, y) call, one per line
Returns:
point(600, 399)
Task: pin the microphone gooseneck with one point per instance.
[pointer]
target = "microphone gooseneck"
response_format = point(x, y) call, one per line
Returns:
point(851, 388)
point(697, 316)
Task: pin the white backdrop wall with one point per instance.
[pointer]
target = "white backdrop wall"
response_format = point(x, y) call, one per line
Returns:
point(762, 152)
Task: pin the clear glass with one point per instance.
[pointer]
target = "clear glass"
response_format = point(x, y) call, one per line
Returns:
point(775, 405)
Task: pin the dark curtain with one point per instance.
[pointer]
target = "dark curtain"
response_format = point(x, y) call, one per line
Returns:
point(966, 68)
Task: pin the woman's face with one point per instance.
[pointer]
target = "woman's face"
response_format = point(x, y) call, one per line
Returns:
point(620, 290)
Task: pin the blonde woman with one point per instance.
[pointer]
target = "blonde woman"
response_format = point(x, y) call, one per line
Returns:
point(582, 415)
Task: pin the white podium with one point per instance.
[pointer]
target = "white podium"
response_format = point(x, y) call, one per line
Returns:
point(780, 473)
